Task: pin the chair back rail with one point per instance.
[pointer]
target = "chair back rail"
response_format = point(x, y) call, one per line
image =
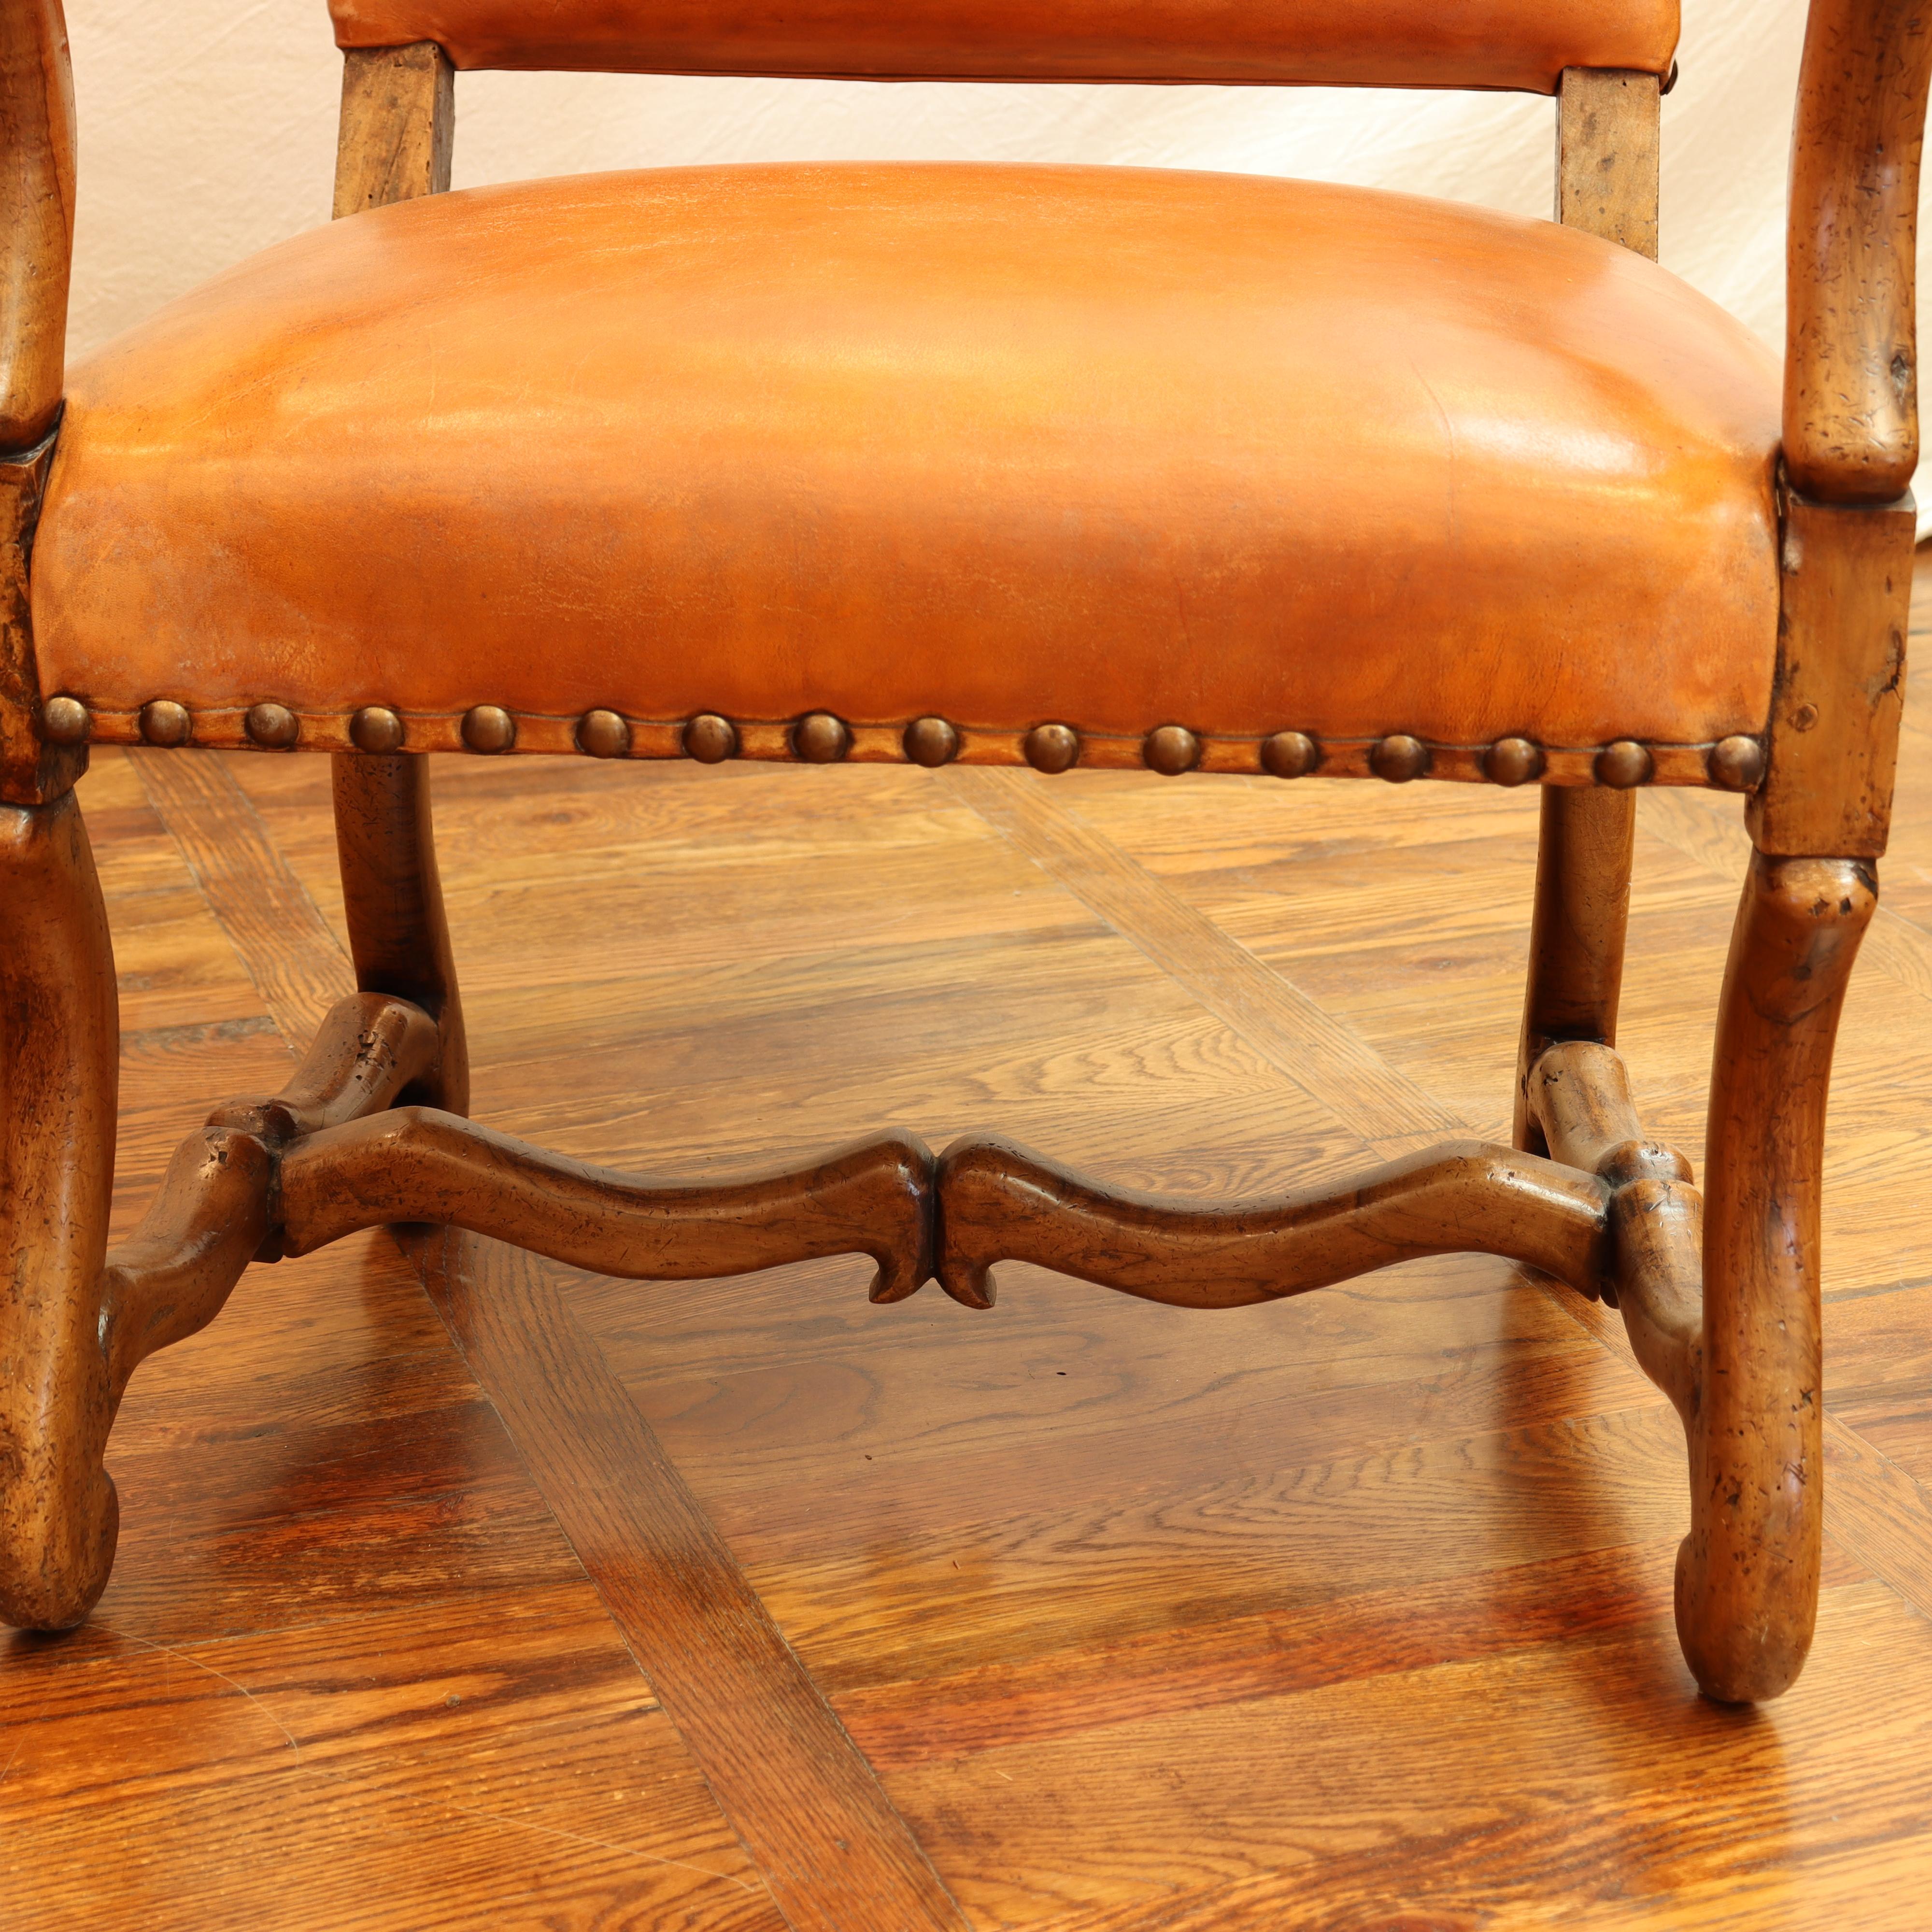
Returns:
point(1851, 388)
point(36, 217)
point(1521, 45)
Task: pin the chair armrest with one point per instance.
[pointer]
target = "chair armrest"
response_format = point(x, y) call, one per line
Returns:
point(36, 216)
point(1851, 389)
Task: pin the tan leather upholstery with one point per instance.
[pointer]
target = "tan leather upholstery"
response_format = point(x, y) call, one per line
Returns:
point(1507, 44)
point(1114, 447)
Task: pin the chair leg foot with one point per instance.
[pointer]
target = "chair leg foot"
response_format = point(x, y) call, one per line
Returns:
point(59, 1042)
point(1748, 1573)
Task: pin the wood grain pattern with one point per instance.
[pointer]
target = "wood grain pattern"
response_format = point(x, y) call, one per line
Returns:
point(998, 1201)
point(392, 903)
point(1851, 382)
point(833, 1850)
point(1283, 1023)
point(36, 217)
point(1608, 151)
point(837, 1856)
point(398, 126)
point(1409, 1538)
point(1840, 681)
point(59, 1031)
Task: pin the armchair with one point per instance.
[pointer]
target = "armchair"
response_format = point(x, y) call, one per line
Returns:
point(1013, 466)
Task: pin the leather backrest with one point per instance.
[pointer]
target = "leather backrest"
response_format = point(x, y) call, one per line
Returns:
point(1523, 45)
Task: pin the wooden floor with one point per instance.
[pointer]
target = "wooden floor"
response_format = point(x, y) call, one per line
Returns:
point(457, 1590)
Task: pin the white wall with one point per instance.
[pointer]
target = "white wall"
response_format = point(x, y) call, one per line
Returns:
point(208, 131)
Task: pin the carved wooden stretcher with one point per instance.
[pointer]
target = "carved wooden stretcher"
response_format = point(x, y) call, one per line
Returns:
point(1719, 1290)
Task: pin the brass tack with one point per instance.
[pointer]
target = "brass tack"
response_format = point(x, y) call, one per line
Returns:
point(1512, 761)
point(1737, 763)
point(1399, 758)
point(710, 738)
point(931, 741)
point(165, 722)
point(376, 728)
point(1623, 765)
point(274, 727)
point(1290, 754)
point(1052, 747)
point(488, 727)
point(1171, 750)
point(603, 734)
point(819, 738)
point(1805, 717)
point(65, 721)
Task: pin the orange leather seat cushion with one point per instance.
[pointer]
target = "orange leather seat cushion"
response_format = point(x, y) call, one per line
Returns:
point(1507, 44)
point(1119, 448)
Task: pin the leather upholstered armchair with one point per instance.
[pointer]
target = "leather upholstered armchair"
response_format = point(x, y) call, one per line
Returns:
point(1008, 465)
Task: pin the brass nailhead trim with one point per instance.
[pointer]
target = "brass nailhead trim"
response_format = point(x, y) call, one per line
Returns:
point(710, 738)
point(1290, 754)
point(1399, 758)
point(65, 721)
point(1171, 750)
point(376, 728)
point(1737, 763)
point(819, 738)
point(165, 722)
point(1052, 747)
point(1624, 765)
point(1512, 761)
point(603, 734)
point(489, 727)
point(931, 741)
point(274, 727)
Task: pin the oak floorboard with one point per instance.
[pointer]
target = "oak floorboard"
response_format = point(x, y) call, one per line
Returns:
point(828, 1846)
point(1349, 1612)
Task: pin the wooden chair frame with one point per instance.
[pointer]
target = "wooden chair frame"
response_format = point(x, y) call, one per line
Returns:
point(1719, 1292)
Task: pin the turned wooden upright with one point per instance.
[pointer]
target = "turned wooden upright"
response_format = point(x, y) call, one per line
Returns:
point(1720, 1290)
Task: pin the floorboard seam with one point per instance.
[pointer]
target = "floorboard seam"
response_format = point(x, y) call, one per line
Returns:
point(856, 1865)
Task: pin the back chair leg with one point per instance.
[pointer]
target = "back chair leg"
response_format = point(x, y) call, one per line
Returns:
point(398, 935)
point(59, 1049)
point(1748, 1573)
point(1576, 930)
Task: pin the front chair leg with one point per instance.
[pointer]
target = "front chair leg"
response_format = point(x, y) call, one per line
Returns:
point(1748, 1573)
point(59, 1048)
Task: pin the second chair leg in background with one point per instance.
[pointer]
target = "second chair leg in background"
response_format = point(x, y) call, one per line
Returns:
point(398, 934)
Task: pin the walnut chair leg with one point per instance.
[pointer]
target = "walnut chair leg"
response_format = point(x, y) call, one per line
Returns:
point(1576, 930)
point(397, 936)
point(1748, 1573)
point(59, 1048)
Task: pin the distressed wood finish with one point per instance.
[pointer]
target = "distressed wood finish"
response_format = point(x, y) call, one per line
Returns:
point(1578, 1095)
point(392, 894)
point(999, 1201)
point(36, 217)
point(214, 1212)
point(36, 250)
point(1841, 688)
point(416, 1164)
point(1747, 1575)
point(1851, 385)
point(398, 126)
point(1609, 149)
point(58, 1033)
point(371, 1133)
point(32, 770)
point(1577, 927)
